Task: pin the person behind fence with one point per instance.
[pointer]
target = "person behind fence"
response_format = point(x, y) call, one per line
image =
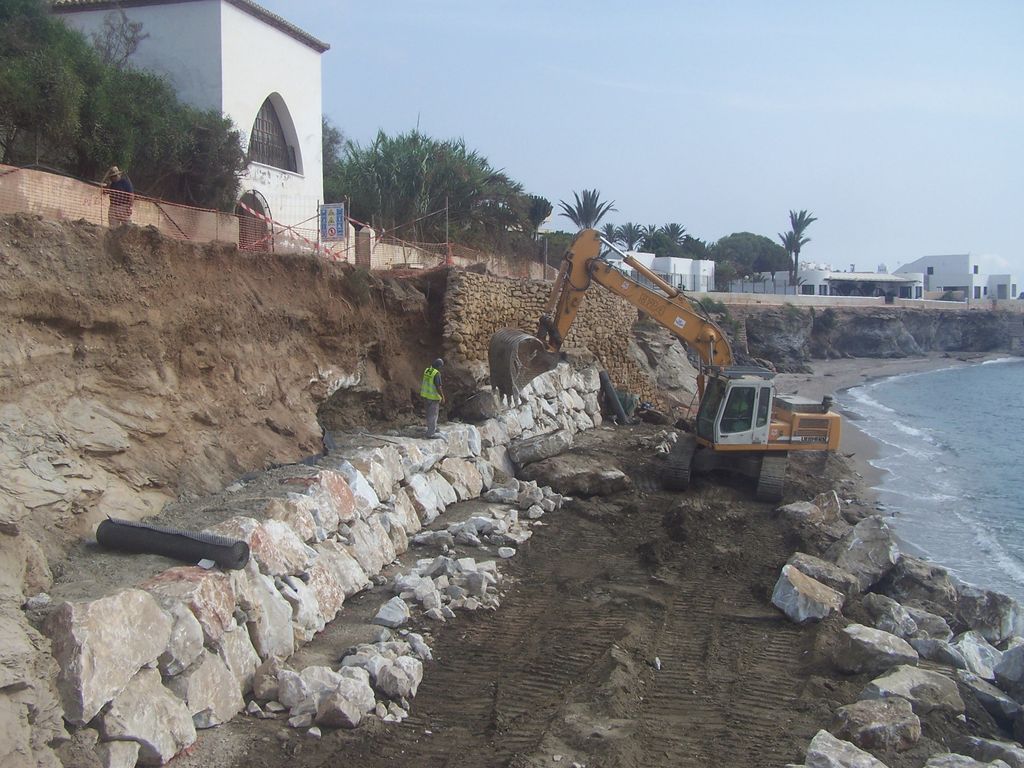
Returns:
point(432, 392)
point(122, 194)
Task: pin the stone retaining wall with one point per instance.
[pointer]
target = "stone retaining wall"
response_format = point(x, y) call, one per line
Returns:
point(148, 665)
point(478, 305)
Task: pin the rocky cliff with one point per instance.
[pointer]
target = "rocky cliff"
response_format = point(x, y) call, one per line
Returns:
point(790, 336)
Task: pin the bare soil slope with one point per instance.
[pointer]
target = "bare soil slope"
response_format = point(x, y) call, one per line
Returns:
point(134, 368)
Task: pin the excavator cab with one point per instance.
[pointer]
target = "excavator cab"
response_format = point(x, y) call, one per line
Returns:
point(736, 407)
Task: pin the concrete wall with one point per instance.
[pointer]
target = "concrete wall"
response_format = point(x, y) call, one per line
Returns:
point(478, 305)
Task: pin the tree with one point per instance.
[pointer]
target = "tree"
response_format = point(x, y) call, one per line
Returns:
point(630, 235)
point(788, 241)
point(42, 64)
point(118, 39)
point(539, 210)
point(588, 210)
point(695, 248)
point(648, 236)
point(794, 240)
point(62, 105)
point(333, 144)
point(674, 232)
point(610, 232)
point(557, 243)
point(741, 250)
point(406, 184)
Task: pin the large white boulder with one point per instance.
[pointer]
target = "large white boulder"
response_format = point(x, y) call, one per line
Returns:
point(869, 551)
point(981, 656)
point(99, 646)
point(925, 690)
point(826, 751)
point(147, 713)
point(529, 450)
point(863, 649)
point(209, 690)
point(878, 724)
point(210, 595)
point(802, 598)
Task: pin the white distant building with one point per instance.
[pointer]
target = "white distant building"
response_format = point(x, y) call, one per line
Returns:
point(960, 274)
point(685, 274)
point(829, 282)
point(824, 280)
point(239, 59)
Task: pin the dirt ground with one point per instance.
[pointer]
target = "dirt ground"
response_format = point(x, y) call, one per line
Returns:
point(135, 368)
point(566, 671)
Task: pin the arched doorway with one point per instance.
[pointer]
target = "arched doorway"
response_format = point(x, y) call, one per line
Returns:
point(255, 227)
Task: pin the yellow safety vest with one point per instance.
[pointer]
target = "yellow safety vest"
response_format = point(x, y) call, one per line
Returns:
point(428, 389)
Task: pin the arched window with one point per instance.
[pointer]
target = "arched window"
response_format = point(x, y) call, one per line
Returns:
point(267, 143)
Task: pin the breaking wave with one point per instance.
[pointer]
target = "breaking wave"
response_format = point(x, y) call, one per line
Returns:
point(948, 442)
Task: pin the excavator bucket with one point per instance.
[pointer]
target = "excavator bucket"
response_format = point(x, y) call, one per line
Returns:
point(515, 359)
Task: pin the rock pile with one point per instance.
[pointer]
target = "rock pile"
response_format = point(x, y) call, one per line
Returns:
point(148, 665)
point(918, 610)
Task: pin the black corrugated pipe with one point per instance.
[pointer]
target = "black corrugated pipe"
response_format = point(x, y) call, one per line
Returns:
point(611, 397)
point(189, 546)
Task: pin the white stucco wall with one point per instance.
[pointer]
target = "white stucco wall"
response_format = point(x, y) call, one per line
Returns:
point(261, 61)
point(948, 271)
point(689, 274)
point(647, 259)
point(1007, 282)
point(183, 45)
point(217, 56)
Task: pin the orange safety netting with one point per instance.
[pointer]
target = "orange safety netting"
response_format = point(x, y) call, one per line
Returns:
point(52, 196)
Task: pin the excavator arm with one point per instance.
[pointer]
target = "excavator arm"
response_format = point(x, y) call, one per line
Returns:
point(516, 357)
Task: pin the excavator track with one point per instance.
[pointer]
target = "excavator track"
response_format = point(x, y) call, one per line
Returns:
point(679, 464)
point(771, 479)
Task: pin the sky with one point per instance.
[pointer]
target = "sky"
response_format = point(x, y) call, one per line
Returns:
point(898, 124)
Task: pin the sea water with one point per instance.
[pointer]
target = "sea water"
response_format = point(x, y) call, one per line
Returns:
point(952, 445)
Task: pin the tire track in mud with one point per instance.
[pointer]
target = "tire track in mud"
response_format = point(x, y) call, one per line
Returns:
point(502, 679)
point(733, 669)
point(566, 656)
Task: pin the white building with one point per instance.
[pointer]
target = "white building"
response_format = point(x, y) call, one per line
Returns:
point(237, 58)
point(684, 274)
point(825, 280)
point(829, 282)
point(960, 274)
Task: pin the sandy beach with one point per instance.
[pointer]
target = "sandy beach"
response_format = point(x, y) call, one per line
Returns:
point(831, 377)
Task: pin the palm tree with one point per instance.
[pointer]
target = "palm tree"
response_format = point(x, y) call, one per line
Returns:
point(406, 184)
point(649, 233)
point(798, 223)
point(588, 210)
point(788, 241)
point(610, 232)
point(674, 232)
point(630, 235)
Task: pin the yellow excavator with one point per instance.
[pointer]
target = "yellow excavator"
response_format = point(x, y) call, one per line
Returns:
point(742, 423)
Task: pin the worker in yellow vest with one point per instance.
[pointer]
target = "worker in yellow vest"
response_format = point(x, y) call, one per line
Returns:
point(432, 392)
